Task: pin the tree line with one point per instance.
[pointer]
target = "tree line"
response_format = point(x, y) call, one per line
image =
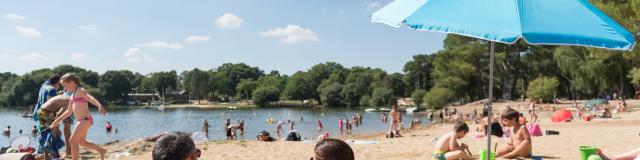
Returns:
point(456, 74)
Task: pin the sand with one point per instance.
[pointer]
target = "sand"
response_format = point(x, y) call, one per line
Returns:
point(614, 136)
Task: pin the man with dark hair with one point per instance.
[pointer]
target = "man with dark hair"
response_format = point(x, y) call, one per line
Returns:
point(175, 146)
point(333, 149)
point(520, 143)
point(47, 90)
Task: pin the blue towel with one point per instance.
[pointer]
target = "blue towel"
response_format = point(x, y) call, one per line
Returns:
point(49, 143)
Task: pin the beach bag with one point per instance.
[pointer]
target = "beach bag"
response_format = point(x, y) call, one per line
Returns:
point(293, 136)
point(534, 129)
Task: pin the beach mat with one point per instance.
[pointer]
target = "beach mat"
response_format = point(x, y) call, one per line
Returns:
point(16, 156)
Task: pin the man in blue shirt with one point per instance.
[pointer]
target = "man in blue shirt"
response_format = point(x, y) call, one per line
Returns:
point(47, 90)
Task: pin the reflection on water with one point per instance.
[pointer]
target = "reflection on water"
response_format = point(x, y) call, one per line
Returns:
point(142, 122)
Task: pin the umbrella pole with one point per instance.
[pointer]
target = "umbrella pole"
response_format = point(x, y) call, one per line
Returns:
point(490, 102)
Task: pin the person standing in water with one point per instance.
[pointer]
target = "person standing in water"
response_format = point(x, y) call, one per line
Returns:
point(396, 118)
point(320, 125)
point(205, 128)
point(340, 123)
point(79, 106)
point(241, 126)
point(108, 127)
point(279, 130)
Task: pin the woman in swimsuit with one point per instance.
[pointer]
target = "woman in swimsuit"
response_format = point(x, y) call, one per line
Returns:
point(79, 106)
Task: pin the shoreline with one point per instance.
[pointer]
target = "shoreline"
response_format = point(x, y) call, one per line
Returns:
point(419, 143)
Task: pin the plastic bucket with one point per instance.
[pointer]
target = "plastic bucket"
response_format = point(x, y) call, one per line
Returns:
point(483, 155)
point(586, 151)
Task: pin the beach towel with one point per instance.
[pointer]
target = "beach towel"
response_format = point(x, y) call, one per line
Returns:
point(17, 156)
point(49, 143)
point(534, 129)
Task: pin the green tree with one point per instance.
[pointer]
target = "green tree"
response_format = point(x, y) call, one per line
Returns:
point(196, 83)
point(298, 87)
point(245, 88)
point(319, 73)
point(438, 97)
point(262, 96)
point(164, 80)
point(634, 75)
point(417, 96)
point(544, 88)
point(364, 101)
point(382, 97)
point(220, 85)
point(330, 95)
point(418, 72)
point(116, 85)
point(236, 72)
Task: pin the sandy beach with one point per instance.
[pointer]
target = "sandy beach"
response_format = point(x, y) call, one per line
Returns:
point(614, 136)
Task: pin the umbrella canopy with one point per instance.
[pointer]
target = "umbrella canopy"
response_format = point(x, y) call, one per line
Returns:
point(561, 116)
point(549, 22)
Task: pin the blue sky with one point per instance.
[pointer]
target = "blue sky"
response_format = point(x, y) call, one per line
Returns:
point(149, 36)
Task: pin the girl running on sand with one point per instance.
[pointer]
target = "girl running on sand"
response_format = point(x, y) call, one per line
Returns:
point(79, 106)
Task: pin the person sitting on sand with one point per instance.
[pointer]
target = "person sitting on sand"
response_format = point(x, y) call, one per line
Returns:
point(447, 146)
point(175, 146)
point(606, 113)
point(332, 149)
point(632, 155)
point(496, 128)
point(265, 137)
point(520, 143)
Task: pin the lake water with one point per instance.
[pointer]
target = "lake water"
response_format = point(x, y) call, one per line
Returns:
point(143, 122)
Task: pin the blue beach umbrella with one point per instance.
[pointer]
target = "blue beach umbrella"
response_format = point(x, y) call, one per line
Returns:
point(537, 22)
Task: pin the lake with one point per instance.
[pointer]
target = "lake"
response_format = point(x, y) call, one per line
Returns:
point(135, 123)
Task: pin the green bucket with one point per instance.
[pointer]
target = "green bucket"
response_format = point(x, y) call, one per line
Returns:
point(586, 151)
point(483, 155)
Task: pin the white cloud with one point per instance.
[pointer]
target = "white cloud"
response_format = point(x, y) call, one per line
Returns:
point(29, 32)
point(292, 34)
point(78, 56)
point(163, 45)
point(32, 57)
point(193, 39)
point(14, 16)
point(374, 6)
point(88, 28)
point(135, 55)
point(229, 21)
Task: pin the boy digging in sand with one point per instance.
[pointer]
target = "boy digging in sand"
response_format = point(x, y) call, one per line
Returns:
point(448, 147)
point(520, 145)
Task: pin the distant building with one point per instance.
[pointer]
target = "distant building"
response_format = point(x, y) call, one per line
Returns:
point(405, 102)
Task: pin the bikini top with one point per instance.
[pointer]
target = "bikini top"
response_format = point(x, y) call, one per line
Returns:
point(75, 99)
